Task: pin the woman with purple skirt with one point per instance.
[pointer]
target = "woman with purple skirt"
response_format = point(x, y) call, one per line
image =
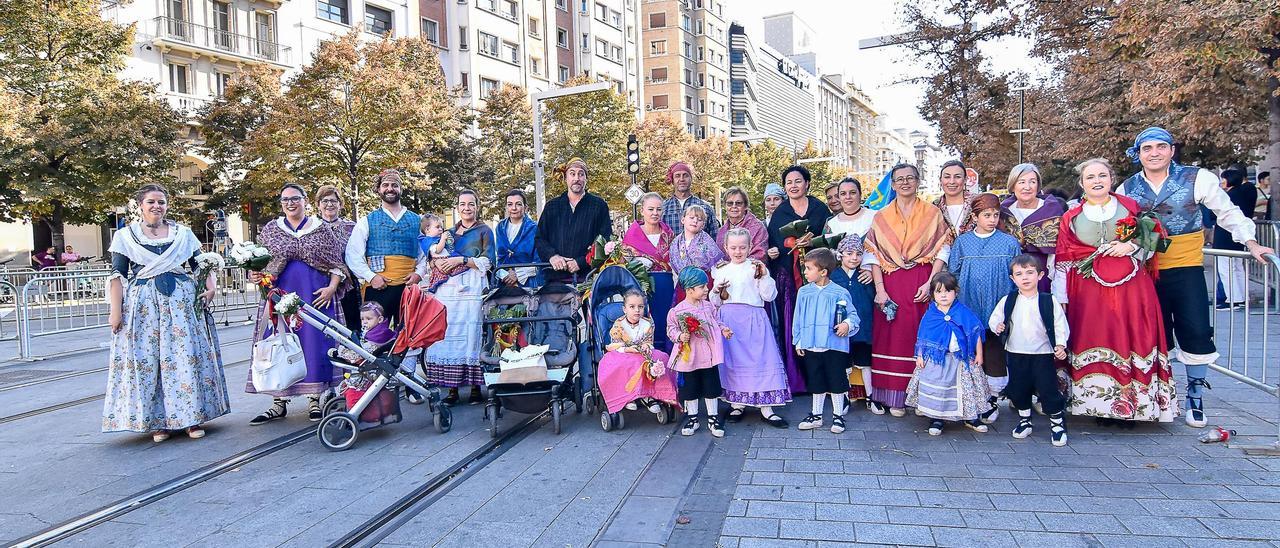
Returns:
point(306, 258)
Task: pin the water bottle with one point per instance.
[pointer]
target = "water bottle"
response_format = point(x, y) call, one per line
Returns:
point(842, 312)
point(1216, 434)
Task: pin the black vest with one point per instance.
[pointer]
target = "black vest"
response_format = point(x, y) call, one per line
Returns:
point(1046, 316)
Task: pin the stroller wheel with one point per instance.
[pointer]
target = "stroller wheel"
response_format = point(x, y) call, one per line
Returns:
point(664, 414)
point(335, 404)
point(338, 432)
point(557, 410)
point(492, 413)
point(589, 402)
point(443, 418)
point(577, 397)
point(606, 421)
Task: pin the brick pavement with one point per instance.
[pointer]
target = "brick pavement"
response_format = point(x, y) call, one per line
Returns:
point(886, 481)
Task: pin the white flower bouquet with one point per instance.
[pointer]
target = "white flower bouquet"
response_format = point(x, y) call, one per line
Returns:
point(288, 305)
point(206, 264)
point(249, 256)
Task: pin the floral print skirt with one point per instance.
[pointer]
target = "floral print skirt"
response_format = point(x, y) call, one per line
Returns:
point(166, 368)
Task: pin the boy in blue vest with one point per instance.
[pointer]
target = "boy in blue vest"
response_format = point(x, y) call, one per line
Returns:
point(1035, 331)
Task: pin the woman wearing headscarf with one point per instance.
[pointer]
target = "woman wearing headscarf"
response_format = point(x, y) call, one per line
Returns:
point(455, 361)
point(773, 197)
point(1033, 218)
point(906, 246)
point(737, 214)
point(165, 372)
point(787, 260)
point(648, 240)
point(306, 259)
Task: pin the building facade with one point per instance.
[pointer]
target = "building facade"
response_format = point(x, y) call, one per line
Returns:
point(686, 64)
point(928, 157)
point(772, 97)
point(892, 147)
point(863, 139)
point(833, 121)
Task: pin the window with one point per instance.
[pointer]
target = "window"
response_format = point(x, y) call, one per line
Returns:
point(702, 79)
point(511, 11)
point(702, 54)
point(333, 10)
point(735, 56)
point(739, 87)
point(660, 102)
point(658, 20)
point(489, 5)
point(488, 44)
point(563, 74)
point(562, 5)
point(176, 9)
point(602, 12)
point(178, 78)
point(687, 49)
point(377, 20)
point(702, 107)
point(462, 38)
point(658, 47)
point(535, 66)
point(535, 27)
point(685, 23)
point(562, 38)
point(466, 84)
point(264, 30)
point(616, 52)
point(602, 48)
point(220, 82)
point(739, 118)
point(487, 87)
point(511, 53)
point(688, 103)
point(658, 75)
point(223, 38)
point(688, 77)
point(431, 31)
point(586, 42)
point(702, 132)
point(615, 18)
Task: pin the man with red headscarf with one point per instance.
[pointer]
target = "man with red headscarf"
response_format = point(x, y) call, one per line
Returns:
point(680, 177)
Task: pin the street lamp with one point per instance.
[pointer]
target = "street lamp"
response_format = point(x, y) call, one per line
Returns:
point(539, 167)
point(1022, 117)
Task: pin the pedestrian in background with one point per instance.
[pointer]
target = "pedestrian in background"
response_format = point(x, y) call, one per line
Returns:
point(1231, 271)
point(306, 259)
point(165, 372)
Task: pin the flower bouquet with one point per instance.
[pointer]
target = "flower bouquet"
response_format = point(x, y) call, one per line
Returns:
point(249, 256)
point(603, 253)
point(1143, 230)
point(692, 326)
point(206, 264)
point(793, 231)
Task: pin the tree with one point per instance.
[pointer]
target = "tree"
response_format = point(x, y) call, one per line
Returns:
point(594, 127)
point(78, 137)
point(229, 125)
point(663, 141)
point(719, 165)
point(360, 107)
point(821, 173)
point(764, 164)
point(506, 146)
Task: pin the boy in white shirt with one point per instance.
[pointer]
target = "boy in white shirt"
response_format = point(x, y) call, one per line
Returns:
point(1023, 319)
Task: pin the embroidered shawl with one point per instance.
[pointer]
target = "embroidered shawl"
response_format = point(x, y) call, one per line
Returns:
point(701, 252)
point(316, 243)
point(759, 235)
point(636, 244)
point(1038, 232)
point(900, 242)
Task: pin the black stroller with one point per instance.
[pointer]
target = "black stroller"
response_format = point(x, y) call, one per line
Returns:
point(377, 404)
point(517, 317)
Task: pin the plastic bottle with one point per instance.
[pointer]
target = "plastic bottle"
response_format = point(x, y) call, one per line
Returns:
point(842, 312)
point(1216, 434)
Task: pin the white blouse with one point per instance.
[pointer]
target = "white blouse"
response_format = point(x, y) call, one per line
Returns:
point(744, 287)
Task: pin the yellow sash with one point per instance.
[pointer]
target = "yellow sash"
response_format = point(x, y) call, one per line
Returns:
point(395, 268)
point(855, 377)
point(1184, 250)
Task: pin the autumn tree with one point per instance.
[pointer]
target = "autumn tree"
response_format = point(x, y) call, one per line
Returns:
point(764, 164)
point(719, 165)
point(77, 139)
point(505, 146)
point(594, 127)
point(359, 107)
point(663, 141)
point(229, 124)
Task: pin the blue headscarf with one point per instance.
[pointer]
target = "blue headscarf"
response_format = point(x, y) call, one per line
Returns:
point(692, 276)
point(1150, 134)
point(774, 189)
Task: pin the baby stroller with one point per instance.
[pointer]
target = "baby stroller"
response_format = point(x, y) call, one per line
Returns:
point(516, 318)
point(605, 307)
point(424, 324)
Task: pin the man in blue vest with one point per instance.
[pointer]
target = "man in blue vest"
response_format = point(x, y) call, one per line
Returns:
point(1175, 193)
point(383, 250)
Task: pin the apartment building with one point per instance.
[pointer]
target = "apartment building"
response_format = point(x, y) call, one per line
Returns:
point(686, 64)
point(862, 134)
point(772, 96)
point(892, 147)
point(928, 157)
point(833, 120)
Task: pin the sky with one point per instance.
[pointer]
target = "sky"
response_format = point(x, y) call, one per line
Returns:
point(838, 26)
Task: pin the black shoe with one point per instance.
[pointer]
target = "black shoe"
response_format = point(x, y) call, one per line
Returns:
point(837, 424)
point(776, 421)
point(735, 415)
point(313, 409)
point(278, 410)
point(476, 398)
point(690, 425)
point(714, 426)
point(452, 398)
point(412, 396)
point(1058, 429)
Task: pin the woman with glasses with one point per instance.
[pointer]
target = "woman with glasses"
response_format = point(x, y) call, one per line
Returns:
point(737, 214)
point(306, 258)
point(906, 246)
point(329, 202)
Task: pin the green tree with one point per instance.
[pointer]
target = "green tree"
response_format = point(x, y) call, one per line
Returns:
point(719, 164)
point(359, 107)
point(764, 164)
point(229, 124)
point(78, 137)
point(506, 146)
point(663, 141)
point(594, 127)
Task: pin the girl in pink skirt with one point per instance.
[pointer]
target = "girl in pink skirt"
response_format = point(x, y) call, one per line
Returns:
point(632, 369)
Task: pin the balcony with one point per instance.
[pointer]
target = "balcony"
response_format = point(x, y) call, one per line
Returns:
point(186, 36)
point(186, 105)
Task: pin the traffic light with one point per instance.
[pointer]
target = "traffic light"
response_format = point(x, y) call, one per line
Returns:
point(633, 155)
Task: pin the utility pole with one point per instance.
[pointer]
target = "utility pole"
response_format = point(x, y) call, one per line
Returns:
point(1022, 117)
point(539, 167)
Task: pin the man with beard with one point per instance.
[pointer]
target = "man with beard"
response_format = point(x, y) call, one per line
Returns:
point(1175, 192)
point(680, 177)
point(383, 250)
point(570, 222)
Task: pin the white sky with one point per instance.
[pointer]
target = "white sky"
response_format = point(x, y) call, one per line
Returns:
point(838, 26)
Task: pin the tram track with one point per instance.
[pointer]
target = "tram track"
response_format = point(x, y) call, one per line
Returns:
point(74, 374)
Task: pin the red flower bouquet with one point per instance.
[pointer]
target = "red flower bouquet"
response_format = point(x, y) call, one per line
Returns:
point(692, 326)
point(1143, 230)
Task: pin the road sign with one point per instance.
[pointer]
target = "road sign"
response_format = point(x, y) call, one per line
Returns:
point(971, 179)
point(634, 193)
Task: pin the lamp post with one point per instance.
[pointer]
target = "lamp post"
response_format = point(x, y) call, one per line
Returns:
point(1022, 117)
point(539, 167)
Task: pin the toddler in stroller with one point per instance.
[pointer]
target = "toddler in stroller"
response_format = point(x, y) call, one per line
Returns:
point(632, 370)
point(377, 335)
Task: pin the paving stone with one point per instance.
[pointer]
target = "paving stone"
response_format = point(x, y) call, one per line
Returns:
point(1042, 487)
point(1259, 493)
point(763, 465)
point(1034, 503)
point(958, 501)
point(782, 478)
point(815, 494)
point(1033, 539)
point(751, 527)
point(758, 492)
point(816, 530)
point(1165, 526)
point(940, 470)
point(842, 455)
point(887, 497)
point(1198, 492)
point(775, 543)
point(737, 508)
point(1245, 529)
point(980, 485)
point(946, 517)
point(1223, 543)
point(894, 534)
point(780, 509)
point(856, 513)
point(1001, 519)
point(1081, 523)
point(1139, 475)
point(877, 468)
point(913, 483)
point(1099, 505)
point(970, 538)
point(1134, 541)
point(1182, 508)
point(1135, 490)
point(820, 466)
point(1005, 472)
point(1252, 510)
point(854, 481)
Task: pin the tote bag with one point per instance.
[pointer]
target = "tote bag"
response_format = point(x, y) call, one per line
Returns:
point(278, 362)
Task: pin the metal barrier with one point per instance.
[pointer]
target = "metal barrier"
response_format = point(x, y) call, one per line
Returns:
point(1243, 340)
point(48, 303)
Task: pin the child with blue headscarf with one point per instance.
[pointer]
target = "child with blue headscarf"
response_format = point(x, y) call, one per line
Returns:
point(698, 337)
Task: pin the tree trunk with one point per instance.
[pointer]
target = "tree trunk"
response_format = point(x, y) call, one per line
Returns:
point(57, 231)
point(1272, 161)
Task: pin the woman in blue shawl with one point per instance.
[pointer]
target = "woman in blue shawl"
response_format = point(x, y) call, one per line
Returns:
point(948, 383)
point(455, 361)
point(515, 236)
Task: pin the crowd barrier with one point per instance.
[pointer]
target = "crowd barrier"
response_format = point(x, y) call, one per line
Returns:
point(52, 301)
point(1243, 335)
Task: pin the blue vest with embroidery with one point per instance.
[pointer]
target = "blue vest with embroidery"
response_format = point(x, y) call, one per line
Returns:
point(1176, 204)
point(388, 237)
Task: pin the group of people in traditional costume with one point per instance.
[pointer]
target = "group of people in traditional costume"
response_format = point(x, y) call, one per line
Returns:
point(943, 306)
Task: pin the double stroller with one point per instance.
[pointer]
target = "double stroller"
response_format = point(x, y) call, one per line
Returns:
point(376, 403)
point(605, 304)
point(517, 318)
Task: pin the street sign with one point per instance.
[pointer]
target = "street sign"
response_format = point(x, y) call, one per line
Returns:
point(971, 179)
point(633, 194)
